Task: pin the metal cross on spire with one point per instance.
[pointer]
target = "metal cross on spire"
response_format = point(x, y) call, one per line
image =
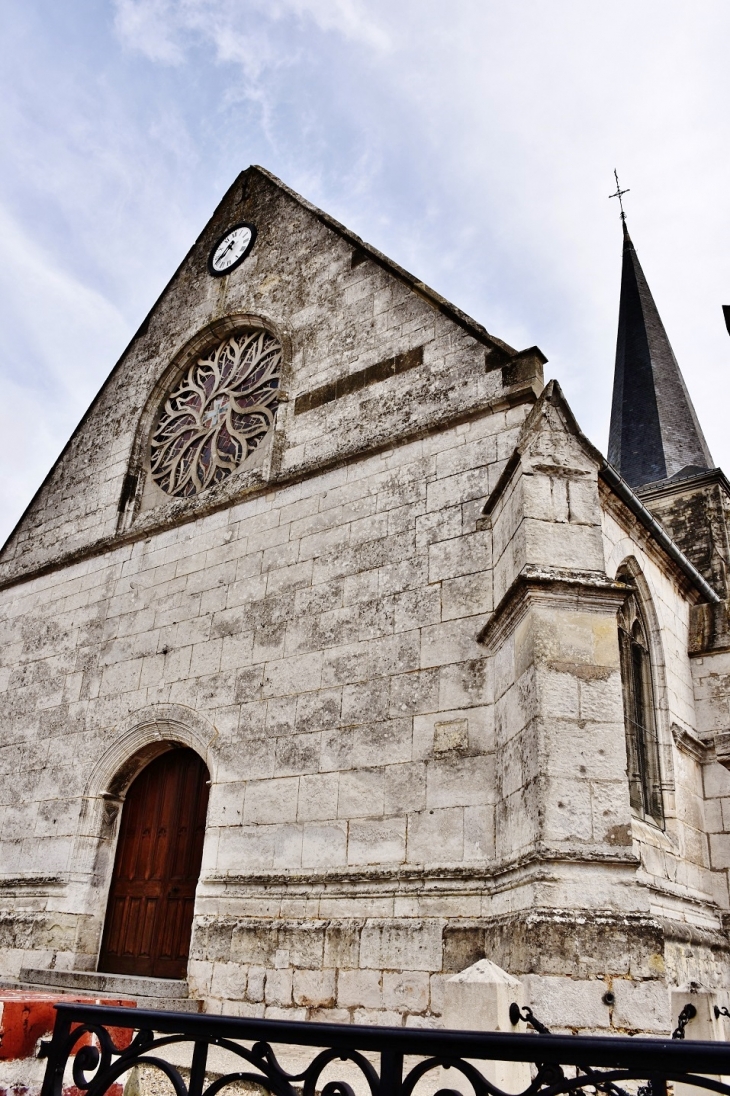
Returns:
point(619, 193)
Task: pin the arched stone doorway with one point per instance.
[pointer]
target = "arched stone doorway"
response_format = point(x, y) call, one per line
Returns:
point(150, 909)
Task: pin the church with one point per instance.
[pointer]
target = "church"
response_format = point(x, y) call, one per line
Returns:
point(336, 659)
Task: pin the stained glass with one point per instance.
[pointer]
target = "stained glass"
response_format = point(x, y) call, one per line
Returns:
point(217, 414)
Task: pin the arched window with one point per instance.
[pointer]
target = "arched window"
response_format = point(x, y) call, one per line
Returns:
point(642, 745)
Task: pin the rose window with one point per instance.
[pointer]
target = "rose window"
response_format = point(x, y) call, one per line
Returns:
point(217, 414)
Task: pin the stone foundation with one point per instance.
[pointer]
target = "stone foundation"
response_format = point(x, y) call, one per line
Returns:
point(393, 971)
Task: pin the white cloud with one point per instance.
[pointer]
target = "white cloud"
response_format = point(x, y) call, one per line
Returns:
point(164, 30)
point(473, 142)
point(354, 21)
point(71, 334)
point(151, 27)
point(64, 319)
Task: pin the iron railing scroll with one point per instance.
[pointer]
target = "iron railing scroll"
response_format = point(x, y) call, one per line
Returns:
point(82, 1051)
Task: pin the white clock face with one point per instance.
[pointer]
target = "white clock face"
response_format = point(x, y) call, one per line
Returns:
point(232, 249)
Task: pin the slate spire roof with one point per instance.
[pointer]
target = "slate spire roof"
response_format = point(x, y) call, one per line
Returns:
point(655, 433)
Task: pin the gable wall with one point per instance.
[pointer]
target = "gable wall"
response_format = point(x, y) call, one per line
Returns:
point(313, 629)
point(332, 319)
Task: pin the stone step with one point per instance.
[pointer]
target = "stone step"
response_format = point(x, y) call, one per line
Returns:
point(171, 990)
point(164, 1004)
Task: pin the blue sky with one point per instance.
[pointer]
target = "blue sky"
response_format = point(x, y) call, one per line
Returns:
point(474, 142)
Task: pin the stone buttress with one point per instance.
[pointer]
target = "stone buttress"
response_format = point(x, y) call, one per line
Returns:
point(389, 630)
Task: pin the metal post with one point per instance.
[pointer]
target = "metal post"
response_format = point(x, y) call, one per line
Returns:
point(197, 1069)
point(56, 1051)
point(391, 1073)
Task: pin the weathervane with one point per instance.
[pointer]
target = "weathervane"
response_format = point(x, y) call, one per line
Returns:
point(619, 193)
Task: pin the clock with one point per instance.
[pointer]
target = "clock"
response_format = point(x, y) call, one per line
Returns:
point(232, 248)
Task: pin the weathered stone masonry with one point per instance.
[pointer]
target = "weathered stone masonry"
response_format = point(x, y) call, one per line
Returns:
point(392, 638)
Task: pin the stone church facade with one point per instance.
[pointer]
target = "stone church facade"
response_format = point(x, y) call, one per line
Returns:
point(455, 686)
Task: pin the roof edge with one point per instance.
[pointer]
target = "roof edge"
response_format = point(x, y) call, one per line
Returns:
point(675, 486)
point(620, 487)
point(140, 331)
point(441, 303)
point(553, 393)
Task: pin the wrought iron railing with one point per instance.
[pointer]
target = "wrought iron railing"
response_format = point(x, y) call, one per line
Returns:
point(388, 1061)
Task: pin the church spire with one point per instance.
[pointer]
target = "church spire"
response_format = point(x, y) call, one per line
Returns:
point(655, 433)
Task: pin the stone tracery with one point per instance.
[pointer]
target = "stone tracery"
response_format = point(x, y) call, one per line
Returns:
point(642, 745)
point(217, 414)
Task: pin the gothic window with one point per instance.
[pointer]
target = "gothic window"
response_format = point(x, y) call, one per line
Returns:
point(217, 414)
point(642, 746)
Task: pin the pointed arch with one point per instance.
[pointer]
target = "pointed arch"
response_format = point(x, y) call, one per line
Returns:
point(642, 665)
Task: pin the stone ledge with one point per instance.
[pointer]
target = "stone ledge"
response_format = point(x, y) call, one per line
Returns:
point(460, 878)
point(690, 744)
point(124, 984)
point(189, 1004)
point(151, 522)
point(586, 590)
point(30, 882)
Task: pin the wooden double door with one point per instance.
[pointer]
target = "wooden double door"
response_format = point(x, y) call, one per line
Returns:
point(150, 910)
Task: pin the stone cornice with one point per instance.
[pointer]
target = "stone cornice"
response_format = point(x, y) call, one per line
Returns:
point(459, 879)
point(674, 890)
point(686, 933)
point(721, 742)
point(151, 522)
point(663, 489)
point(589, 591)
point(10, 883)
point(691, 745)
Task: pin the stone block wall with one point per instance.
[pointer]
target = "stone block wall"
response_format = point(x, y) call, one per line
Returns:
point(579, 971)
point(677, 858)
point(325, 636)
point(695, 512)
point(333, 317)
point(393, 641)
point(716, 784)
point(320, 646)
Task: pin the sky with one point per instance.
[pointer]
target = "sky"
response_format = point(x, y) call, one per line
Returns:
point(473, 142)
